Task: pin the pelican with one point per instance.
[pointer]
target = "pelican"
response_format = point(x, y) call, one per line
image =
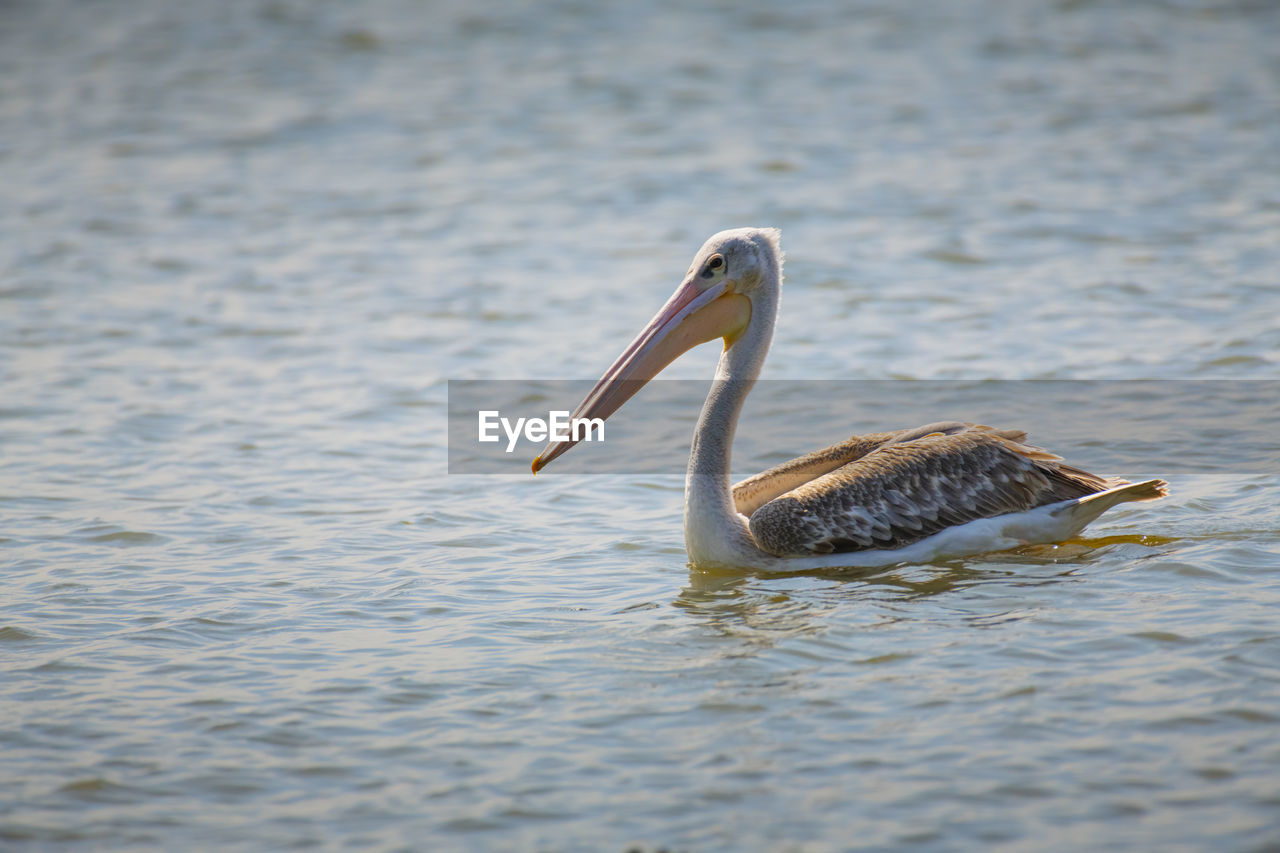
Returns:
point(946, 489)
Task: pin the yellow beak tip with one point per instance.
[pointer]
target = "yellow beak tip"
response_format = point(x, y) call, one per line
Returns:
point(537, 465)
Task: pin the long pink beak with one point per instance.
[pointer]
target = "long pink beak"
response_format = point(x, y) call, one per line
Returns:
point(691, 316)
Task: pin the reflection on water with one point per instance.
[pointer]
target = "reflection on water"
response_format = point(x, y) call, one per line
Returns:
point(243, 605)
point(732, 607)
point(768, 607)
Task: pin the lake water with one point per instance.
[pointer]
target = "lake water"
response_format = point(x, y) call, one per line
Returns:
point(246, 244)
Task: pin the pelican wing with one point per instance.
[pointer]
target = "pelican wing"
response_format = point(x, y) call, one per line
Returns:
point(910, 487)
point(754, 492)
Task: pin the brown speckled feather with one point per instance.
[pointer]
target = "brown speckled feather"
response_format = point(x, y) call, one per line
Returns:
point(914, 484)
point(755, 491)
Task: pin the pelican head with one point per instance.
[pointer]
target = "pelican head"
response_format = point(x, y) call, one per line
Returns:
point(728, 277)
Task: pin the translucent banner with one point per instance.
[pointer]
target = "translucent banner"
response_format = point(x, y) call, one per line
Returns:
point(1135, 429)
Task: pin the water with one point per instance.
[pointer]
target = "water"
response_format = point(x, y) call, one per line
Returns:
point(246, 244)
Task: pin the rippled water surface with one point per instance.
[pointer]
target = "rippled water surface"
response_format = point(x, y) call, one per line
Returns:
point(245, 244)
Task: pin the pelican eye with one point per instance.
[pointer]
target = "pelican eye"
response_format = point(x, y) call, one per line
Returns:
point(716, 263)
